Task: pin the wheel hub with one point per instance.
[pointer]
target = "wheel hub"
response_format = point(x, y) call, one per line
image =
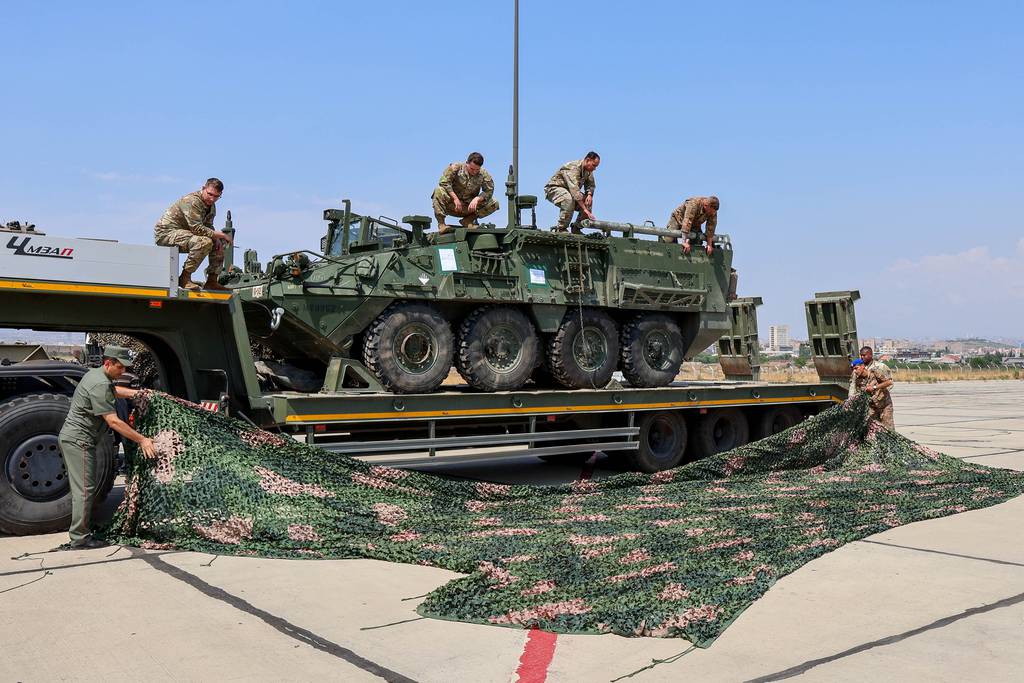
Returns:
point(503, 348)
point(36, 468)
point(656, 350)
point(415, 348)
point(590, 349)
point(661, 439)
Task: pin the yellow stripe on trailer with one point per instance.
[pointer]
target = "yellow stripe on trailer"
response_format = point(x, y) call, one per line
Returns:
point(70, 288)
point(548, 410)
point(83, 289)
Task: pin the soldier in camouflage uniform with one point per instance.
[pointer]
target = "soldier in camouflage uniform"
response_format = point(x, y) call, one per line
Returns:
point(875, 378)
point(188, 225)
point(690, 215)
point(466, 191)
point(572, 188)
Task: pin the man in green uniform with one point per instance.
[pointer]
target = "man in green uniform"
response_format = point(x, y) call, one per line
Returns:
point(92, 412)
point(188, 225)
point(875, 378)
point(690, 215)
point(466, 191)
point(572, 188)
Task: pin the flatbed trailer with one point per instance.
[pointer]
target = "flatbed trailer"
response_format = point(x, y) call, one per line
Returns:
point(201, 347)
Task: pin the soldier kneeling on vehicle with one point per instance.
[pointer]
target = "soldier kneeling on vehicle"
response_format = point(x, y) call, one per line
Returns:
point(188, 225)
point(465, 191)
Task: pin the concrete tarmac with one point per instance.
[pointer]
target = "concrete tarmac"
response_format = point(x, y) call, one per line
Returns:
point(940, 600)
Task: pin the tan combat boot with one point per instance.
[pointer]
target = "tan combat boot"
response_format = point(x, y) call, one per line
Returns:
point(185, 281)
point(212, 284)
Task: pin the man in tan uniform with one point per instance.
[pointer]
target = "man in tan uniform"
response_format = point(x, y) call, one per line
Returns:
point(875, 378)
point(572, 188)
point(188, 225)
point(466, 191)
point(690, 215)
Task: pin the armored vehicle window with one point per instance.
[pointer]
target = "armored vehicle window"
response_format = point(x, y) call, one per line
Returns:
point(353, 236)
point(384, 234)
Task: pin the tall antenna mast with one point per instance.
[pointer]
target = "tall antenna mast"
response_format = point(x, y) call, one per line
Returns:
point(515, 96)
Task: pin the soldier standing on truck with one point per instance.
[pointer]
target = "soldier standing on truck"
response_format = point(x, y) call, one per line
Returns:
point(875, 378)
point(572, 189)
point(92, 412)
point(465, 191)
point(188, 225)
point(690, 215)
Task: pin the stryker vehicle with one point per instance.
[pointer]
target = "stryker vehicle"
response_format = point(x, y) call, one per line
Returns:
point(400, 306)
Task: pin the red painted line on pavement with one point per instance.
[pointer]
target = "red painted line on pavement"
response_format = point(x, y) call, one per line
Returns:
point(536, 657)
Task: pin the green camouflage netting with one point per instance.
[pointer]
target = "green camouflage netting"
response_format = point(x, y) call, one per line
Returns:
point(680, 553)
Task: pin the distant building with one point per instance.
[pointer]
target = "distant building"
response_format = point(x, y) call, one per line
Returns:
point(778, 339)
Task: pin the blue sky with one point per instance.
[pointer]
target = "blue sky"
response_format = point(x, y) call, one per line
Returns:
point(868, 145)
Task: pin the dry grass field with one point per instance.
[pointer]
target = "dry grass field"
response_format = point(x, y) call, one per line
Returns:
point(783, 375)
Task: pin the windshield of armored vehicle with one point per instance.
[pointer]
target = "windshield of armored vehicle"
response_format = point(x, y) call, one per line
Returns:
point(353, 236)
point(384, 234)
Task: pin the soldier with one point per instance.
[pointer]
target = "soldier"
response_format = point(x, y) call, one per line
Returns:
point(188, 225)
point(572, 189)
point(688, 218)
point(875, 378)
point(92, 412)
point(466, 191)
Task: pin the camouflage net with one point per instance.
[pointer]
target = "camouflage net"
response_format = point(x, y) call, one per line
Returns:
point(680, 553)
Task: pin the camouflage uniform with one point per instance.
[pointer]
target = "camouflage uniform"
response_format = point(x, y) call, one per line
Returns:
point(689, 216)
point(188, 225)
point(466, 187)
point(563, 190)
point(881, 401)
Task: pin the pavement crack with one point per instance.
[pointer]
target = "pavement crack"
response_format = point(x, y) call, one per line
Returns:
point(943, 552)
point(803, 668)
point(279, 624)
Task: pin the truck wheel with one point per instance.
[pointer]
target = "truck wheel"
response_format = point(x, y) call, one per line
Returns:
point(584, 353)
point(409, 348)
point(498, 349)
point(776, 419)
point(35, 496)
point(662, 441)
point(720, 430)
point(652, 350)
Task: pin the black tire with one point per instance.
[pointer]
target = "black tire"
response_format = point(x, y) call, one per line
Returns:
point(720, 430)
point(663, 438)
point(775, 419)
point(409, 348)
point(30, 459)
point(498, 349)
point(584, 356)
point(652, 350)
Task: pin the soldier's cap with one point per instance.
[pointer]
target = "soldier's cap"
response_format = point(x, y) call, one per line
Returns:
point(856, 362)
point(120, 354)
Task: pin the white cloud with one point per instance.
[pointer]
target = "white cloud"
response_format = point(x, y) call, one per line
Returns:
point(973, 291)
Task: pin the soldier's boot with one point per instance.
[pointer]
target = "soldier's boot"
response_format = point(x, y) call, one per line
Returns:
point(469, 222)
point(185, 281)
point(442, 227)
point(212, 284)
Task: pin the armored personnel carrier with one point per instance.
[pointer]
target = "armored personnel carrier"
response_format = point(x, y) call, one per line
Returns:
point(396, 305)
